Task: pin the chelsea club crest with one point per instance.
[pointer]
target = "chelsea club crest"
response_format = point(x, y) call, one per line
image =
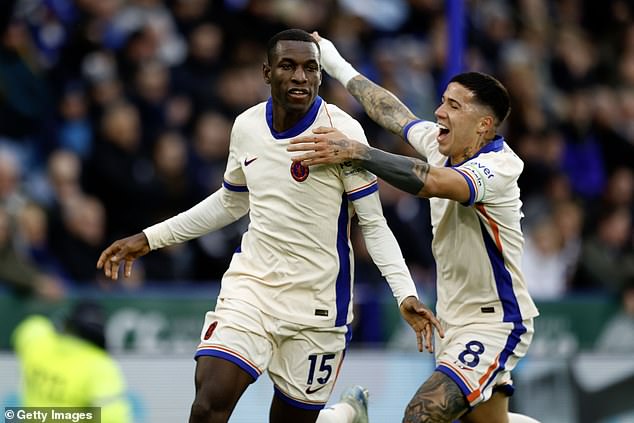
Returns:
point(299, 172)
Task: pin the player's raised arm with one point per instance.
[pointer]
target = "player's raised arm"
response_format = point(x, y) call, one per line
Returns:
point(380, 104)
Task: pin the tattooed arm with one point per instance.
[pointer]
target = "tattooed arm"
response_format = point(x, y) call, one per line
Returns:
point(380, 104)
point(405, 173)
point(416, 176)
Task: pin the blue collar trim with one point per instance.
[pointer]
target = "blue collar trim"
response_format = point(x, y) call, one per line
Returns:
point(303, 124)
point(497, 144)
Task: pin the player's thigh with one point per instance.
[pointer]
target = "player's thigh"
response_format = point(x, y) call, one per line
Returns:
point(494, 410)
point(306, 364)
point(237, 332)
point(439, 399)
point(219, 383)
point(479, 357)
point(233, 352)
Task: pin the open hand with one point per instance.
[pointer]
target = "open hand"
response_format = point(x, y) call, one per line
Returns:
point(326, 146)
point(422, 320)
point(126, 249)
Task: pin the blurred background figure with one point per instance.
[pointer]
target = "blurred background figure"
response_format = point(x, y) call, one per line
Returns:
point(70, 367)
point(618, 334)
point(19, 273)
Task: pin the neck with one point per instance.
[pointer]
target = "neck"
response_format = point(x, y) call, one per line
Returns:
point(470, 150)
point(283, 120)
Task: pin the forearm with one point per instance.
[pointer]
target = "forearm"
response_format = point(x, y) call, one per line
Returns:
point(380, 104)
point(406, 173)
point(211, 214)
point(383, 248)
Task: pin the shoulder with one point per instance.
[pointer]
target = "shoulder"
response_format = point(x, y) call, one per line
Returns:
point(502, 160)
point(341, 119)
point(33, 330)
point(251, 115)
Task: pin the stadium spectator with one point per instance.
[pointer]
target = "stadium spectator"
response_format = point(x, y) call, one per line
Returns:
point(77, 371)
point(74, 130)
point(607, 258)
point(20, 274)
point(83, 237)
point(543, 263)
point(32, 235)
point(617, 336)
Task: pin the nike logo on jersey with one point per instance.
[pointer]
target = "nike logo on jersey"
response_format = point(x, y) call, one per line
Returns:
point(247, 162)
point(312, 391)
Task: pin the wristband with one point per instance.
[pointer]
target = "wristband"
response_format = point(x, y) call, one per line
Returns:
point(335, 65)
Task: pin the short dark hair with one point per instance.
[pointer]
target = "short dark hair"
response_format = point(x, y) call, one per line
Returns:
point(487, 91)
point(288, 35)
point(87, 320)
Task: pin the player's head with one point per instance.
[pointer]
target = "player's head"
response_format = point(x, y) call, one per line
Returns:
point(473, 106)
point(87, 320)
point(288, 35)
point(488, 92)
point(293, 69)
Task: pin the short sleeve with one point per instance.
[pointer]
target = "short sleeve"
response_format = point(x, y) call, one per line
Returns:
point(489, 177)
point(422, 134)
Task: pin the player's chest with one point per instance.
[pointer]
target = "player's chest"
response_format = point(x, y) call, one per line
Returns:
point(268, 166)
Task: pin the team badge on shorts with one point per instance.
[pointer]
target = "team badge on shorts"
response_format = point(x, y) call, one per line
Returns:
point(299, 172)
point(210, 330)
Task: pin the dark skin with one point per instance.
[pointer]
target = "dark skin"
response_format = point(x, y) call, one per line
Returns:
point(469, 126)
point(294, 74)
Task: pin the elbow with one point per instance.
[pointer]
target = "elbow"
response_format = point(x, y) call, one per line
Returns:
point(431, 187)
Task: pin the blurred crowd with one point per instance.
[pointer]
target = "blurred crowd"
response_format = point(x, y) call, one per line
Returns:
point(115, 114)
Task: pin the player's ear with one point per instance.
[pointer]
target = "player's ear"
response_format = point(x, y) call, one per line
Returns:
point(486, 124)
point(266, 73)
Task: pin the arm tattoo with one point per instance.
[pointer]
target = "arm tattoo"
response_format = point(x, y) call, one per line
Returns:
point(380, 104)
point(438, 400)
point(406, 173)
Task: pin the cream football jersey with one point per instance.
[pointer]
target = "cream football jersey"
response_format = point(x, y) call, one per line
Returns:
point(295, 261)
point(477, 245)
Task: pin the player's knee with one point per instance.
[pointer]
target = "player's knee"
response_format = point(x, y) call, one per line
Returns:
point(205, 411)
point(421, 410)
point(210, 407)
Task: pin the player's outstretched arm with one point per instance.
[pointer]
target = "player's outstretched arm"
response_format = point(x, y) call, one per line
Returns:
point(412, 175)
point(330, 146)
point(380, 104)
point(422, 321)
point(126, 249)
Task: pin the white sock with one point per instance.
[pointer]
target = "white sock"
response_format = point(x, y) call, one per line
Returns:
point(520, 418)
point(339, 413)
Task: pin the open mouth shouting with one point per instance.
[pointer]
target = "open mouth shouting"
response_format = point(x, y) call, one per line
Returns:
point(442, 133)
